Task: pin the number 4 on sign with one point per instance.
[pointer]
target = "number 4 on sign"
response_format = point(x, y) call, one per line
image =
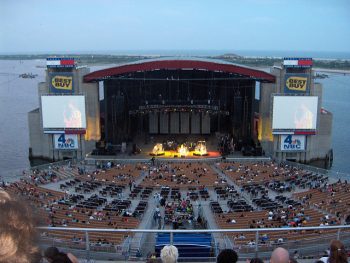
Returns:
point(62, 139)
point(288, 139)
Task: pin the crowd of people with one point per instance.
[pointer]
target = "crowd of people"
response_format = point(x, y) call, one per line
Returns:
point(180, 211)
point(182, 175)
point(19, 241)
point(337, 254)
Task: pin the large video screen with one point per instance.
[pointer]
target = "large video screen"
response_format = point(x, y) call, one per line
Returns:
point(60, 112)
point(294, 112)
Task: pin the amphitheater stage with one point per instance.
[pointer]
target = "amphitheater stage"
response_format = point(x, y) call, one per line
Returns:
point(145, 149)
point(191, 155)
point(145, 157)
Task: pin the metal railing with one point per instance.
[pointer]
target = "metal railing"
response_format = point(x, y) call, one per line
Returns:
point(142, 240)
point(18, 173)
point(332, 173)
point(307, 247)
point(94, 161)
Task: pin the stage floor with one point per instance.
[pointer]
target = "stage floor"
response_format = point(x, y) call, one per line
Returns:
point(146, 150)
point(174, 154)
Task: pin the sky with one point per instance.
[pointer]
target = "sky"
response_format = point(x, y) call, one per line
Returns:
point(39, 26)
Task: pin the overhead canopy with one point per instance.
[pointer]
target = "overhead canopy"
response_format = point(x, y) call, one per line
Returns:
point(179, 64)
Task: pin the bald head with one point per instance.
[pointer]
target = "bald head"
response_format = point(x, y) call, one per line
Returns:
point(279, 255)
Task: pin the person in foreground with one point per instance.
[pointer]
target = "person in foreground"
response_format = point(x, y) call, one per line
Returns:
point(279, 255)
point(256, 260)
point(53, 255)
point(227, 256)
point(169, 254)
point(18, 236)
point(337, 253)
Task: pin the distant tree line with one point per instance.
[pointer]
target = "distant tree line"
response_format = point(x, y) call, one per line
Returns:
point(98, 59)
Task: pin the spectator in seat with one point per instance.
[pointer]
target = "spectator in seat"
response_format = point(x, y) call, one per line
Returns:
point(279, 255)
point(17, 232)
point(53, 255)
point(227, 256)
point(256, 260)
point(337, 253)
point(169, 254)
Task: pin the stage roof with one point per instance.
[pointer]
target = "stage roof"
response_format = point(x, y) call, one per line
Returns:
point(180, 64)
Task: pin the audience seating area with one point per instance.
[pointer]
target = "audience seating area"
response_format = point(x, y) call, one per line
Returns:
point(120, 173)
point(182, 175)
point(241, 195)
point(267, 173)
point(333, 198)
point(269, 219)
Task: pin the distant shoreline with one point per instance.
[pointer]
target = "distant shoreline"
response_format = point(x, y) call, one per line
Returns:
point(326, 70)
point(97, 59)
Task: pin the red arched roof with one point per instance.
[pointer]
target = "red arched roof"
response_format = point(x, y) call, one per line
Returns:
point(178, 65)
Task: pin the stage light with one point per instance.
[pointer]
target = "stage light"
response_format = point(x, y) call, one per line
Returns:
point(158, 150)
point(200, 149)
point(182, 150)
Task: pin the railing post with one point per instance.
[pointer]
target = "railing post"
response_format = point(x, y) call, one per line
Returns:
point(87, 245)
point(256, 244)
point(171, 238)
point(338, 234)
point(217, 249)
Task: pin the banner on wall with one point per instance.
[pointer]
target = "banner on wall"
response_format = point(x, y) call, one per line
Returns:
point(297, 62)
point(296, 83)
point(66, 141)
point(292, 143)
point(60, 62)
point(61, 82)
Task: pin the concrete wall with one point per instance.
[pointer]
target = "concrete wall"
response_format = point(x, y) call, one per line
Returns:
point(93, 130)
point(265, 125)
point(317, 146)
point(42, 144)
point(321, 143)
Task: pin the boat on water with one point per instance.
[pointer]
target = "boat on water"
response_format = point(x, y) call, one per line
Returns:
point(28, 75)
